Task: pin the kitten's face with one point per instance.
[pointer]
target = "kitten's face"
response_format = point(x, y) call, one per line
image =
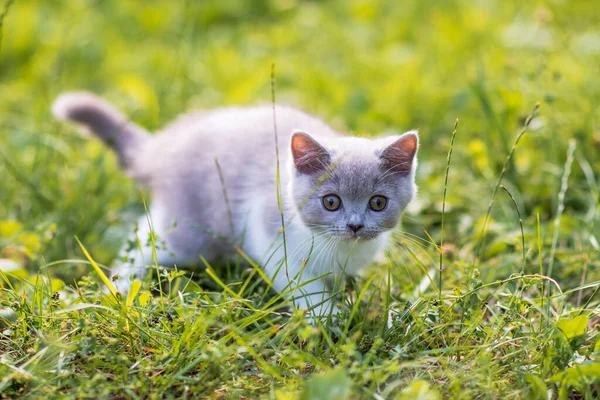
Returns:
point(350, 188)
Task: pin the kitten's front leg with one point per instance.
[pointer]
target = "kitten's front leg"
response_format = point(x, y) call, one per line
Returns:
point(315, 297)
point(132, 265)
point(304, 290)
point(145, 254)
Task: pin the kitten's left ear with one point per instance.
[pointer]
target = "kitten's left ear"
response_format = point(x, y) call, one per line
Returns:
point(399, 157)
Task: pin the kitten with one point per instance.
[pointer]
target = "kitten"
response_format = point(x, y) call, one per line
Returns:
point(340, 196)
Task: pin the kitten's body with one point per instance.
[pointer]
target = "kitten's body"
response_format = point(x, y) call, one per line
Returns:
point(199, 211)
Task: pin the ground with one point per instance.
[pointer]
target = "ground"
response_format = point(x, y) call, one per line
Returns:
point(493, 277)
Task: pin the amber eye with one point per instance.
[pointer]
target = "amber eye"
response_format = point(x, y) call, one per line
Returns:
point(377, 203)
point(332, 202)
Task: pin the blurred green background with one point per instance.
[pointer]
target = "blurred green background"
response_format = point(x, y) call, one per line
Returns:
point(367, 67)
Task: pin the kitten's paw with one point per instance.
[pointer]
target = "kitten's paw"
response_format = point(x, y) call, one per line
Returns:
point(390, 319)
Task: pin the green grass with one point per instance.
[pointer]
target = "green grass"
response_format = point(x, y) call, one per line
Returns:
point(496, 324)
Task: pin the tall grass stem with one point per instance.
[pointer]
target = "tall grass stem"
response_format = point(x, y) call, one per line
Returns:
point(477, 250)
point(277, 174)
point(520, 224)
point(449, 159)
point(564, 185)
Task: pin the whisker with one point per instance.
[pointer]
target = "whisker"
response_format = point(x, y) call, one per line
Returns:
point(323, 252)
point(427, 253)
point(415, 237)
point(307, 243)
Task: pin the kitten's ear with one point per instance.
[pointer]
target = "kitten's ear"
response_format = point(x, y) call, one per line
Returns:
point(309, 155)
point(399, 157)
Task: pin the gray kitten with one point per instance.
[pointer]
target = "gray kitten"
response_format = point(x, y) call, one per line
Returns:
point(340, 196)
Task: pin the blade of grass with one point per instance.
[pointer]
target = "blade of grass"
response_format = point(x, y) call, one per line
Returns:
point(133, 291)
point(520, 223)
point(564, 185)
point(224, 189)
point(357, 304)
point(422, 267)
point(98, 270)
point(541, 262)
point(507, 161)
point(449, 159)
point(153, 244)
point(277, 171)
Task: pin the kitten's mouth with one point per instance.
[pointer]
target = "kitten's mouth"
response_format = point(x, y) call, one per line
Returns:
point(350, 236)
point(353, 236)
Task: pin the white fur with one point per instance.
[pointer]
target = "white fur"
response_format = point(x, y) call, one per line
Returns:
point(178, 166)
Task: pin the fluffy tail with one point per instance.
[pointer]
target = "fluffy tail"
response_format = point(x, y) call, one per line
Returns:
point(104, 120)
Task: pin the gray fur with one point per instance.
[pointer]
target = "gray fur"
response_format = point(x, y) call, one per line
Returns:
point(178, 165)
point(105, 121)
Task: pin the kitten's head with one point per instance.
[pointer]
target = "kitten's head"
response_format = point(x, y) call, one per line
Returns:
point(352, 188)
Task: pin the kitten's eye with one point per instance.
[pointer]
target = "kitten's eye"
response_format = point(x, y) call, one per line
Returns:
point(377, 203)
point(332, 202)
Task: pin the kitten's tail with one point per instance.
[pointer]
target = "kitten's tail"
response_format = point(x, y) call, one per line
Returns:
point(104, 120)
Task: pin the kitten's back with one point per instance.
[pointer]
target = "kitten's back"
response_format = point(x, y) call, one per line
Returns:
point(240, 138)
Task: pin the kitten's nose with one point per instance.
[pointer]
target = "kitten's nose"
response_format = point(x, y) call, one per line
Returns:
point(355, 227)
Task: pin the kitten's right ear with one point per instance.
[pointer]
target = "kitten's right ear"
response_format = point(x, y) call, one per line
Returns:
point(309, 155)
point(400, 155)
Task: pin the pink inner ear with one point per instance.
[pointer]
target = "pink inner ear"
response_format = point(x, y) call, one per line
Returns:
point(309, 156)
point(399, 156)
